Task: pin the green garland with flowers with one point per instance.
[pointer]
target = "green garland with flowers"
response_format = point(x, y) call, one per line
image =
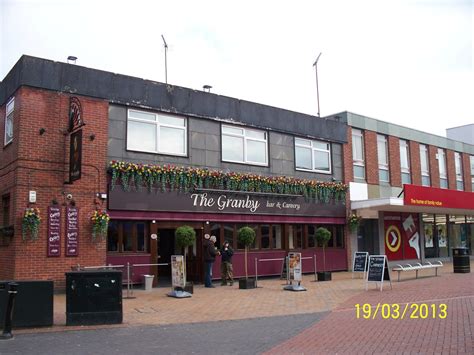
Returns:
point(100, 222)
point(30, 223)
point(184, 179)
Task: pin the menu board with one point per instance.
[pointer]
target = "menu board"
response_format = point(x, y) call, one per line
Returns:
point(378, 269)
point(360, 261)
point(54, 231)
point(72, 231)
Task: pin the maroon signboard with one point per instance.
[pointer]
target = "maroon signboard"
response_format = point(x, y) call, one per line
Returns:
point(54, 231)
point(72, 231)
point(434, 197)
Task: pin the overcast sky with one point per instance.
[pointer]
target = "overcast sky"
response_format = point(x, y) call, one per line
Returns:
point(406, 61)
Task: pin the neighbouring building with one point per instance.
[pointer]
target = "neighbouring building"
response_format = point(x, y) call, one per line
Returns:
point(78, 141)
point(412, 190)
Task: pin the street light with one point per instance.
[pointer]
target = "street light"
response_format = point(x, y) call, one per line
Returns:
point(315, 65)
point(166, 64)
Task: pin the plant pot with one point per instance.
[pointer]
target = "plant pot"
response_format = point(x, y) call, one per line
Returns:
point(245, 284)
point(324, 276)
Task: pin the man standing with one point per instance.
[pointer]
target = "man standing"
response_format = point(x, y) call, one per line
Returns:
point(226, 264)
point(209, 258)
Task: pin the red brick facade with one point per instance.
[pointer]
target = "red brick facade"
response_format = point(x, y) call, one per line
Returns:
point(39, 162)
point(394, 161)
point(451, 168)
point(434, 169)
point(415, 164)
point(371, 160)
point(466, 170)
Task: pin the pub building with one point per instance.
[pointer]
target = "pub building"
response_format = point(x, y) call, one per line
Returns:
point(412, 191)
point(82, 144)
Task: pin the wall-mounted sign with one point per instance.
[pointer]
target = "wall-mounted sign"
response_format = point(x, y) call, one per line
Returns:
point(154, 236)
point(402, 238)
point(72, 231)
point(434, 197)
point(32, 197)
point(75, 156)
point(54, 231)
point(75, 114)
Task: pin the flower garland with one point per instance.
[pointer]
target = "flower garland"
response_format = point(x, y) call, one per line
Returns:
point(184, 179)
point(100, 222)
point(30, 223)
point(353, 222)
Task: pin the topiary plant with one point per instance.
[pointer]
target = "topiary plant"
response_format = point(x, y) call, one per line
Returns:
point(185, 237)
point(323, 236)
point(246, 236)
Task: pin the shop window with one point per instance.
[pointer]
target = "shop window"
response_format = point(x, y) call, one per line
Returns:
point(382, 154)
point(442, 234)
point(265, 236)
point(216, 231)
point(405, 162)
point(6, 210)
point(127, 236)
point(443, 175)
point(312, 155)
point(358, 154)
point(243, 145)
point(457, 232)
point(228, 230)
point(9, 121)
point(425, 167)
point(156, 133)
point(142, 239)
point(113, 236)
point(127, 243)
point(295, 236)
point(339, 237)
point(311, 236)
point(458, 168)
point(276, 236)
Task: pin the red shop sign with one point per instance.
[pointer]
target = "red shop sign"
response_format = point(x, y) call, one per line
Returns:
point(434, 197)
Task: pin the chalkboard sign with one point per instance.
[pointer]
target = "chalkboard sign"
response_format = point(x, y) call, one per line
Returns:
point(360, 261)
point(378, 270)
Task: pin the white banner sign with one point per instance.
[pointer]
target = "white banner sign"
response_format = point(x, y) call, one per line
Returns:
point(177, 271)
point(294, 265)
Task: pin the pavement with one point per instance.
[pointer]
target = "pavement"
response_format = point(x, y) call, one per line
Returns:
point(321, 320)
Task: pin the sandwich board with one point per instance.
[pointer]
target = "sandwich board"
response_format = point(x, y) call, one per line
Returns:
point(378, 271)
point(360, 262)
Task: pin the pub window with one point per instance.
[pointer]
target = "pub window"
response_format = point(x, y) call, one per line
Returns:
point(243, 145)
point(295, 236)
point(113, 236)
point(443, 175)
point(6, 210)
point(276, 236)
point(216, 231)
point(229, 234)
point(142, 240)
point(458, 168)
point(405, 162)
point(382, 153)
point(265, 236)
point(313, 155)
point(127, 244)
point(9, 121)
point(311, 236)
point(156, 133)
point(127, 236)
point(425, 167)
point(358, 154)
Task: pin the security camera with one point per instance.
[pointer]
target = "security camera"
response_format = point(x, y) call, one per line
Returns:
point(69, 197)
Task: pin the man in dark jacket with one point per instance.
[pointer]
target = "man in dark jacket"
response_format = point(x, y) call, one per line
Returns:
point(210, 253)
point(226, 264)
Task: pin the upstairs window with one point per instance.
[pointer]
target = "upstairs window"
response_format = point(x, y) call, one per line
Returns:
point(382, 153)
point(458, 167)
point(443, 175)
point(358, 154)
point(243, 145)
point(156, 133)
point(313, 155)
point(425, 166)
point(405, 162)
point(9, 121)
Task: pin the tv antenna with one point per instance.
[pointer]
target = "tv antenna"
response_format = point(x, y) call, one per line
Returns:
point(315, 65)
point(166, 63)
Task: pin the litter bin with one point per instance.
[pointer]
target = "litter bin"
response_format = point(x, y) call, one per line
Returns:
point(461, 260)
point(148, 282)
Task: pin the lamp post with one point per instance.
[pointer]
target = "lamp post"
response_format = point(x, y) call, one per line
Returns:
point(315, 65)
point(166, 64)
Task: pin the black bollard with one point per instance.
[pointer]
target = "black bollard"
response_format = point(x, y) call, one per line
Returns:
point(7, 326)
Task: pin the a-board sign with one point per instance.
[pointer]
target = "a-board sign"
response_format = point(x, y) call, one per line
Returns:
point(284, 271)
point(360, 261)
point(294, 265)
point(378, 270)
point(178, 278)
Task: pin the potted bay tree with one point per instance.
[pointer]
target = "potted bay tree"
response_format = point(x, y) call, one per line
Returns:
point(246, 236)
point(323, 235)
point(185, 237)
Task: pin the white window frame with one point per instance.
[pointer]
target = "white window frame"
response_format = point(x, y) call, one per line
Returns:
point(246, 139)
point(405, 150)
point(9, 109)
point(355, 160)
point(158, 125)
point(425, 172)
point(442, 176)
point(313, 147)
point(459, 171)
point(383, 166)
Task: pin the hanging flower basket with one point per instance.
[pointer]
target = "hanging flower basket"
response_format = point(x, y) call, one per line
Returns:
point(353, 221)
point(30, 223)
point(100, 222)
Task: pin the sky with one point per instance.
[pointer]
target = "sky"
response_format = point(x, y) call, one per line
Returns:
point(408, 62)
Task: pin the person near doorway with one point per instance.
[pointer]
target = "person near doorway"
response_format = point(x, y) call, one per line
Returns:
point(226, 264)
point(210, 253)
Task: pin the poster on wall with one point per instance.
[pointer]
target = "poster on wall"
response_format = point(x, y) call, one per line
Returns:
point(177, 271)
point(401, 236)
point(72, 231)
point(54, 231)
point(294, 266)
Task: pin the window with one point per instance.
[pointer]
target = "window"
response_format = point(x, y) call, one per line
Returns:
point(425, 167)
point(265, 236)
point(127, 236)
point(471, 158)
point(443, 177)
point(458, 167)
point(9, 121)
point(358, 154)
point(156, 133)
point(382, 153)
point(243, 145)
point(313, 155)
point(295, 236)
point(311, 236)
point(276, 236)
point(405, 162)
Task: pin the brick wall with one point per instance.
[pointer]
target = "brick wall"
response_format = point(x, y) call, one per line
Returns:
point(42, 166)
point(466, 169)
point(394, 161)
point(451, 168)
point(434, 169)
point(415, 164)
point(371, 160)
